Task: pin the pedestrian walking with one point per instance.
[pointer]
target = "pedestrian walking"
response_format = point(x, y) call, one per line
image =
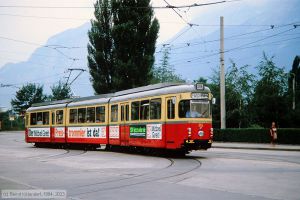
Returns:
point(273, 133)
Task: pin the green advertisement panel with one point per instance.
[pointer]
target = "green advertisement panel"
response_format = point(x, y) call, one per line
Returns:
point(138, 131)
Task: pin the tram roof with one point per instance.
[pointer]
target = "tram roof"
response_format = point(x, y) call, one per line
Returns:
point(46, 107)
point(93, 100)
point(140, 92)
point(146, 88)
point(155, 90)
point(96, 99)
point(49, 105)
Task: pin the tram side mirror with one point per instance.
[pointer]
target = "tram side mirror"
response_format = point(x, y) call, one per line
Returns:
point(213, 101)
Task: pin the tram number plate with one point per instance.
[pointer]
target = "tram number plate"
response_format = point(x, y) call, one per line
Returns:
point(189, 141)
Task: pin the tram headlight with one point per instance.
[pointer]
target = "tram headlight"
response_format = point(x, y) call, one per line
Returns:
point(201, 133)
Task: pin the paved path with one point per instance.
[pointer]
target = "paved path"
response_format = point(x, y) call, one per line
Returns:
point(277, 147)
point(219, 173)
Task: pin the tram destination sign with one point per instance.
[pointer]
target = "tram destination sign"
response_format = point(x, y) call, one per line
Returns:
point(199, 96)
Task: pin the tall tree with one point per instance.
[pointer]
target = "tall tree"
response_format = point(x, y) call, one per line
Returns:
point(122, 44)
point(165, 72)
point(238, 83)
point(26, 96)
point(60, 91)
point(134, 34)
point(214, 86)
point(201, 80)
point(269, 93)
point(100, 48)
point(294, 75)
point(239, 92)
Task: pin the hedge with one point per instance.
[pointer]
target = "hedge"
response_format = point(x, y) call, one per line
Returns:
point(16, 125)
point(255, 135)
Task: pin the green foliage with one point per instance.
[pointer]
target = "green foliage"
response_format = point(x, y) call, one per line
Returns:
point(6, 124)
point(122, 45)
point(134, 33)
point(293, 94)
point(257, 135)
point(165, 72)
point(100, 48)
point(26, 96)
point(257, 101)
point(201, 80)
point(289, 136)
point(269, 100)
point(238, 96)
point(254, 135)
point(238, 83)
point(60, 91)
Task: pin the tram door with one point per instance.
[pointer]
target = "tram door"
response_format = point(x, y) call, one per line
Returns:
point(124, 126)
point(170, 115)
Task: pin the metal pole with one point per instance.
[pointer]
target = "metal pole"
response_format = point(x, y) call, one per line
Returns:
point(222, 75)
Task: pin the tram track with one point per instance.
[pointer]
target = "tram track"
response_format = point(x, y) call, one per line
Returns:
point(65, 154)
point(44, 156)
point(131, 177)
point(168, 172)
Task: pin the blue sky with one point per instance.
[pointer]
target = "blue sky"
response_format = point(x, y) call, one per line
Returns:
point(36, 25)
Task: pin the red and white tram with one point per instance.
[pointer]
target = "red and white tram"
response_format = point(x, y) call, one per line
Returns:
point(161, 116)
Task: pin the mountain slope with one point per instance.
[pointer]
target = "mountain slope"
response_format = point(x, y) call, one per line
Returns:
point(49, 64)
point(195, 53)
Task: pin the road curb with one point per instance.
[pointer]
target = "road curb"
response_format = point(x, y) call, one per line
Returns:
point(256, 148)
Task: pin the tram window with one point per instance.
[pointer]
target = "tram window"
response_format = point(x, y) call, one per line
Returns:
point(171, 109)
point(73, 116)
point(100, 114)
point(114, 113)
point(81, 115)
point(39, 117)
point(32, 118)
point(90, 115)
point(45, 118)
point(59, 116)
point(184, 108)
point(194, 109)
point(144, 114)
point(135, 110)
point(155, 109)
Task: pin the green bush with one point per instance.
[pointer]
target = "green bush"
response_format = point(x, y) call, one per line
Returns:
point(257, 135)
point(7, 125)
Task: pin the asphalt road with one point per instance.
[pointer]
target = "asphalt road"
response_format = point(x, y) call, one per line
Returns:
point(213, 174)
